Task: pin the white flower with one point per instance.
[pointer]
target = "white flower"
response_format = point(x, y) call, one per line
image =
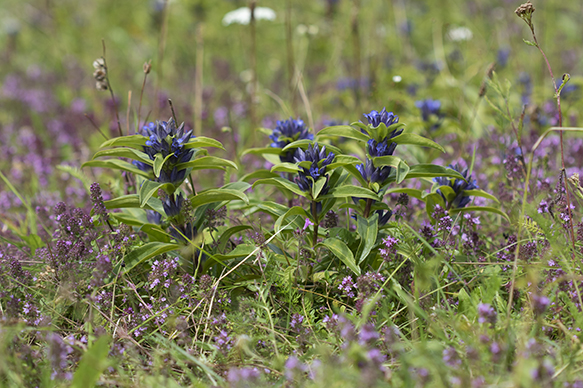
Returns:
point(459, 34)
point(397, 79)
point(243, 15)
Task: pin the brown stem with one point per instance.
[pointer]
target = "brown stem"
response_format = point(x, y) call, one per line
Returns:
point(111, 90)
point(253, 89)
point(147, 67)
point(198, 87)
point(369, 203)
point(558, 96)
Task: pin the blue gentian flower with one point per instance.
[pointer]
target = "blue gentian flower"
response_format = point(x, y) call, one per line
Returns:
point(165, 138)
point(428, 107)
point(458, 186)
point(376, 118)
point(286, 132)
point(173, 205)
point(319, 160)
point(370, 173)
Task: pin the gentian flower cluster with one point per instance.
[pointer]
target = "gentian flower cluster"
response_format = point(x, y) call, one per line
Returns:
point(286, 132)
point(459, 186)
point(383, 147)
point(167, 139)
point(428, 107)
point(319, 160)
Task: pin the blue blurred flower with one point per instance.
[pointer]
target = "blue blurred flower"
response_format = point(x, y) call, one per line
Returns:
point(458, 186)
point(286, 132)
point(428, 107)
point(166, 139)
point(319, 160)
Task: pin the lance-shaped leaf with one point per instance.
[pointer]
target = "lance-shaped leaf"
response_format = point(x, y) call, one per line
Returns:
point(413, 139)
point(294, 211)
point(415, 193)
point(286, 167)
point(304, 143)
point(149, 188)
point(342, 252)
point(145, 252)
point(480, 193)
point(432, 171)
point(401, 168)
point(125, 152)
point(207, 162)
point(117, 164)
point(202, 141)
point(259, 174)
point(217, 195)
point(282, 184)
point(154, 231)
point(226, 235)
point(480, 209)
point(159, 162)
point(351, 191)
point(368, 230)
point(344, 160)
point(92, 364)
point(133, 141)
point(262, 151)
point(343, 131)
point(133, 201)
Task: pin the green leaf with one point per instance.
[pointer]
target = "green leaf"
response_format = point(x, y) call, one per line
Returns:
point(76, 173)
point(304, 143)
point(262, 151)
point(344, 160)
point(207, 162)
point(528, 42)
point(259, 174)
point(294, 211)
point(318, 186)
point(355, 173)
point(133, 141)
point(368, 230)
point(413, 139)
point(92, 364)
point(401, 168)
point(149, 188)
point(480, 209)
point(132, 201)
point(481, 193)
point(217, 195)
point(145, 252)
point(343, 131)
point(286, 167)
point(282, 184)
point(342, 252)
point(415, 193)
point(432, 171)
point(152, 230)
point(447, 192)
point(351, 191)
point(125, 152)
point(159, 162)
point(226, 235)
point(202, 141)
point(117, 164)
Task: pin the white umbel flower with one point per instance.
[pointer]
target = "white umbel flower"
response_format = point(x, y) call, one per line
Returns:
point(243, 15)
point(459, 34)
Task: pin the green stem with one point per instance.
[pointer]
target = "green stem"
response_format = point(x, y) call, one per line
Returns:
point(316, 223)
